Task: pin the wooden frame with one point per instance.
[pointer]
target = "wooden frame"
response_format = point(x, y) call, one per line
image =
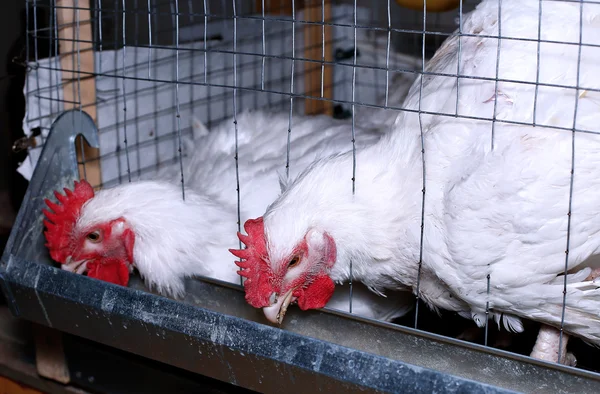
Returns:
point(278, 7)
point(313, 47)
point(313, 50)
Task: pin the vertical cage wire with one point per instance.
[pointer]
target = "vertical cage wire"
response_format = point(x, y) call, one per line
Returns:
point(28, 33)
point(235, 125)
point(499, 45)
point(293, 64)
point(174, 70)
point(571, 180)
point(99, 29)
point(78, 86)
point(53, 44)
point(115, 98)
point(136, 104)
point(322, 45)
point(387, 53)
point(149, 39)
point(177, 113)
point(56, 61)
point(353, 140)
point(497, 70)
point(206, 66)
point(192, 17)
point(152, 32)
point(422, 232)
point(460, 34)
point(264, 48)
point(537, 73)
point(35, 43)
point(124, 87)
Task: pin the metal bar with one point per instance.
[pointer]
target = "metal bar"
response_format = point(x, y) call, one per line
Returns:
point(420, 113)
point(571, 180)
point(235, 125)
point(149, 39)
point(387, 54)
point(353, 140)
point(124, 87)
point(293, 63)
point(177, 112)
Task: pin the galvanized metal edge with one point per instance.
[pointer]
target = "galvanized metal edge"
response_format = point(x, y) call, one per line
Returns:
point(242, 352)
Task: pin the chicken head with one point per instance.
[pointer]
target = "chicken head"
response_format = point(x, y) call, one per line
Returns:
point(301, 276)
point(104, 251)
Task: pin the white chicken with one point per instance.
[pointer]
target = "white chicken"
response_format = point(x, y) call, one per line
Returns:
point(147, 225)
point(502, 213)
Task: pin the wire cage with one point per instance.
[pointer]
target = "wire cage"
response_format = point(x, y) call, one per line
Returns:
point(135, 78)
point(158, 61)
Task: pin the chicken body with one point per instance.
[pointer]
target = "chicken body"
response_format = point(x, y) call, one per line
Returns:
point(169, 239)
point(497, 198)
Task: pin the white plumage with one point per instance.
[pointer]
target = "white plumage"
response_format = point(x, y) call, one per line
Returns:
point(500, 212)
point(175, 239)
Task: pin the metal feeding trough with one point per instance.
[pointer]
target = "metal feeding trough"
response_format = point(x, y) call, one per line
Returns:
point(214, 332)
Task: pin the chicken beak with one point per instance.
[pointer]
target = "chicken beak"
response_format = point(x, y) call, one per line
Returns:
point(276, 312)
point(76, 266)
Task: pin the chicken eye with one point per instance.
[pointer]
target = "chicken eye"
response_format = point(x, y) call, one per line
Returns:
point(293, 262)
point(94, 237)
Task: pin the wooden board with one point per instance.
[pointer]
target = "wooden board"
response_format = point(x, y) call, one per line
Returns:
point(77, 65)
point(16, 362)
point(9, 387)
point(50, 357)
point(313, 50)
point(278, 7)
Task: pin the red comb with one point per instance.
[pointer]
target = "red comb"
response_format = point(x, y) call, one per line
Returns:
point(59, 223)
point(254, 266)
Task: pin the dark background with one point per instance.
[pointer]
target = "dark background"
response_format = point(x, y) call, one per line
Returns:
point(12, 110)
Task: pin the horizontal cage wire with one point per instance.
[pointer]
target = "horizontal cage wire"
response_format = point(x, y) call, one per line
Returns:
point(155, 75)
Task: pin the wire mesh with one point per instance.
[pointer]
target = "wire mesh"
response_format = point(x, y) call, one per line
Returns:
point(117, 36)
point(163, 68)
